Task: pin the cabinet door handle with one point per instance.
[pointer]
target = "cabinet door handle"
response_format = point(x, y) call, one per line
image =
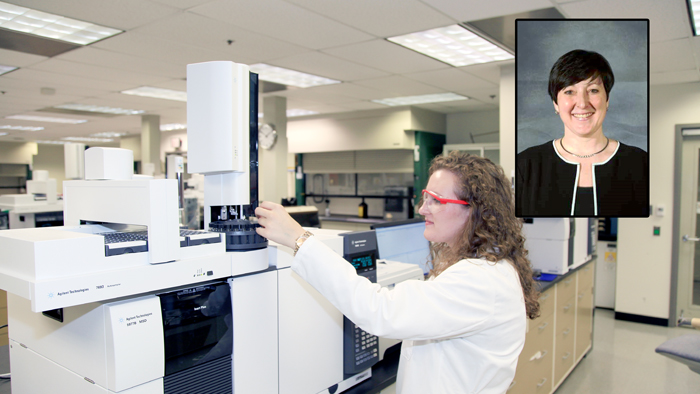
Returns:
point(564, 357)
point(539, 355)
point(540, 384)
point(512, 384)
point(568, 280)
point(567, 331)
point(567, 307)
point(580, 296)
point(545, 297)
point(545, 324)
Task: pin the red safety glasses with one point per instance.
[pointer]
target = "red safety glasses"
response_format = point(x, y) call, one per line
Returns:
point(440, 199)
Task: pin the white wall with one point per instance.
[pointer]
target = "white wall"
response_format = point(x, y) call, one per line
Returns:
point(460, 125)
point(644, 261)
point(132, 143)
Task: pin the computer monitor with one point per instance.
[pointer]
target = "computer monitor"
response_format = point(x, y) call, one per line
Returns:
point(404, 241)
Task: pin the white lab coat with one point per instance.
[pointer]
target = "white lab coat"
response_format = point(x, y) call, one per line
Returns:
point(462, 332)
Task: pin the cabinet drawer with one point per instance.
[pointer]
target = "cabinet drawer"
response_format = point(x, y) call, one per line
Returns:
point(533, 375)
point(563, 355)
point(540, 337)
point(584, 321)
point(564, 336)
point(586, 275)
point(566, 315)
point(546, 301)
point(566, 289)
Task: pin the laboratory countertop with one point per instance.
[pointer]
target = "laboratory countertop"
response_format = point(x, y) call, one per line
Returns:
point(545, 285)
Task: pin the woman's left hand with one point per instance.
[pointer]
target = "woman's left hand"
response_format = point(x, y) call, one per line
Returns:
point(277, 225)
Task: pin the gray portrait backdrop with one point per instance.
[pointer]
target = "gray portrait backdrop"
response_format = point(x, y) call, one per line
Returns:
point(541, 43)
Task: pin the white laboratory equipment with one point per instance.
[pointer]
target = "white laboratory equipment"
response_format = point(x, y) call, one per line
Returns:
point(556, 245)
point(119, 300)
point(74, 160)
point(39, 207)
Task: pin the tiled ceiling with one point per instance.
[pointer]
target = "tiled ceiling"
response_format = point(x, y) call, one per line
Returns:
point(341, 39)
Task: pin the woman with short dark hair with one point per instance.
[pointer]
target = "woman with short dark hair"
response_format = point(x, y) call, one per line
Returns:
point(584, 173)
point(464, 327)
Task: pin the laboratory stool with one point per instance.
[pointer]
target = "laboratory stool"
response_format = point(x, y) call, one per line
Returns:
point(684, 349)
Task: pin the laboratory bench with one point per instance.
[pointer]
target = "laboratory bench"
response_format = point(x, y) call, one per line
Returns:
point(561, 336)
point(555, 342)
point(349, 222)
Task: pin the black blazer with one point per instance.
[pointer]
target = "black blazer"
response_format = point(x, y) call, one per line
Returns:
point(545, 183)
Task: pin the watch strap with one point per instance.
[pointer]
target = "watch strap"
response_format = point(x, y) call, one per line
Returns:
point(300, 241)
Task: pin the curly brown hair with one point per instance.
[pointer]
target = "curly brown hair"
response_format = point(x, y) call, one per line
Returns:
point(493, 232)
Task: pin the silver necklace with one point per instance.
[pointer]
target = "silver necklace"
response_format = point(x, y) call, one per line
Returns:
point(561, 142)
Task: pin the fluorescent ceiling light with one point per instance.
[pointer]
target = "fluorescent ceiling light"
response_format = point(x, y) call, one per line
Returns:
point(299, 112)
point(21, 128)
point(148, 91)
point(87, 139)
point(423, 99)
point(27, 20)
point(694, 11)
point(46, 119)
point(454, 45)
point(109, 134)
point(172, 126)
point(288, 77)
point(1, 134)
point(100, 109)
point(6, 69)
point(52, 142)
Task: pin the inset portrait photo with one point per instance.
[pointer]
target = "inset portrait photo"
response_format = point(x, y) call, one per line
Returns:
point(582, 118)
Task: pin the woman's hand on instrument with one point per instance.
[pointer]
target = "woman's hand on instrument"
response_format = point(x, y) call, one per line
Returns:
point(276, 224)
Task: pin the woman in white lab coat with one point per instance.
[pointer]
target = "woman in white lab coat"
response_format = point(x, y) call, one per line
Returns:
point(464, 327)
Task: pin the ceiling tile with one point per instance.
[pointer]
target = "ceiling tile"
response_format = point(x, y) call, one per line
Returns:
point(669, 19)
point(182, 4)
point(58, 66)
point(395, 86)
point(352, 90)
point(164, 50)
point(19, 59)
point(490, 71)
point(362, 105)
point(483, 95)
point(451, 80)
point(314, 96)
point(213, 34)
point(49, 79)
point(284, 21)
point(465, 11)
point(386, 56)
point(122, 14)
point(385, 18)
point(113, 60)
point(674, 77)
point(674, 55)
point(32, 87)
point(324, 65)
